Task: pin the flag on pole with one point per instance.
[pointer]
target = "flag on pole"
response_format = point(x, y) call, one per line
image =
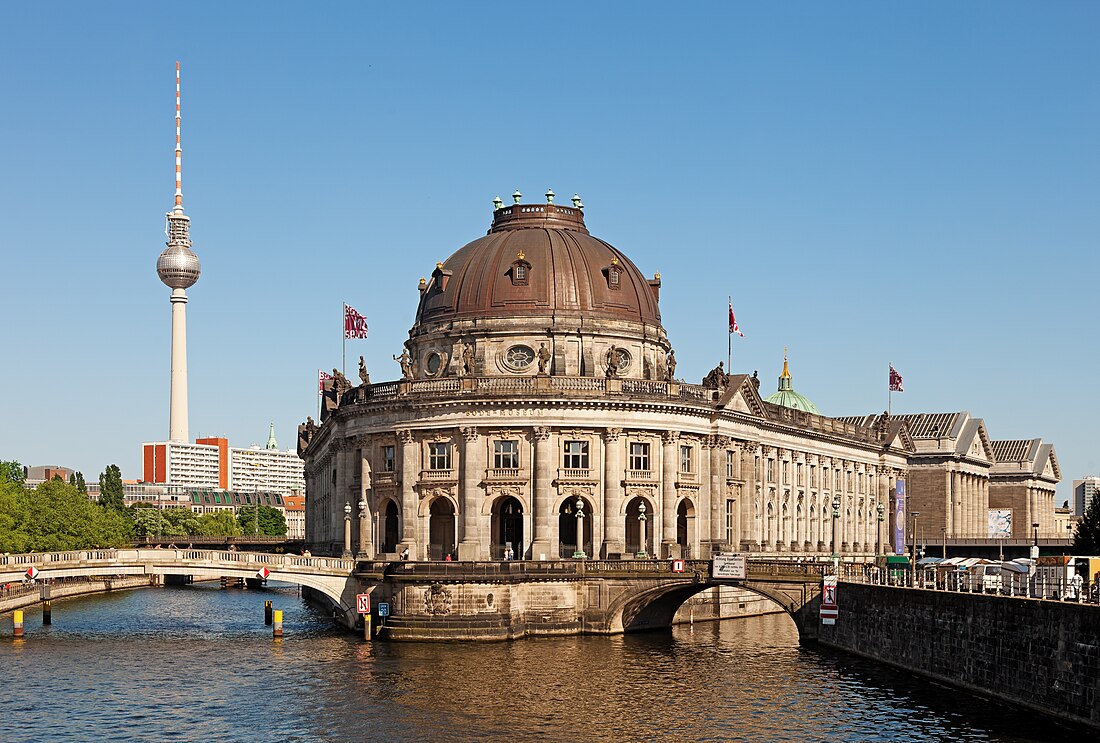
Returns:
point(322, 377)
point(733, 322)
point(355, 325)
point(895, 380)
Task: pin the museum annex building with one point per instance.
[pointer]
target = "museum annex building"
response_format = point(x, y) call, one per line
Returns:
point(539, 416)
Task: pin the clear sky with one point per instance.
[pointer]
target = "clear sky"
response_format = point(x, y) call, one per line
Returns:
point(871, 182)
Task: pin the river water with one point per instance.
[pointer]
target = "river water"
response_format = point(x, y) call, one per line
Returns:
point(196, 663)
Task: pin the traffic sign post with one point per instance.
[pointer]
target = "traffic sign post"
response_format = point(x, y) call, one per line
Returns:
point(383, 610)
point(362, 606)
point(32, 572)
point(677, 566)
point(262, 573)
point(828, 611)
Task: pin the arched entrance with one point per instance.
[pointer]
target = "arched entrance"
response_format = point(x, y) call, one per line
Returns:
point(507, 528)
point(389, 528)
point(568, 545)
point(441, 529)
point(634, 543)
point(685, 527)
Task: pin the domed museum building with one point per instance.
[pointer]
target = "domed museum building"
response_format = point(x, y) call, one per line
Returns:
point(540, 416)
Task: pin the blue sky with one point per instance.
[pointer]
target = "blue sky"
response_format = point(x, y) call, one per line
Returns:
point(871, 182)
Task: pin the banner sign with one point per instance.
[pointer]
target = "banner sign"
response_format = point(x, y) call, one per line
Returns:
point(728, 567)
point(1000, 523)
point(899, 518)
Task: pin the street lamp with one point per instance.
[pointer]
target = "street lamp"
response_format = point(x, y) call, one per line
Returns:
point(579, 554)
point(881, 510)
point(347, 530)
point(641, 554)
point(913, 549)
point(1035, 543)
point(836, 515)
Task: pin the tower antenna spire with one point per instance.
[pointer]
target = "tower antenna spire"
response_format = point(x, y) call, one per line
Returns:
point(179, 149)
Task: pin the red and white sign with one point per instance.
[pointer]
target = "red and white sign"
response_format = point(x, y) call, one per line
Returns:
point(32, 573)
point(362, 603)
point(262, 573)
point(677, 566)
point(829, 611)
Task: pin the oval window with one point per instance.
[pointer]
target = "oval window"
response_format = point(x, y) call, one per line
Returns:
point(519, 357)
point(433, 364)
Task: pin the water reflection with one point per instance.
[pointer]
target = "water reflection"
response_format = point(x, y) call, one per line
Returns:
point(197, 663)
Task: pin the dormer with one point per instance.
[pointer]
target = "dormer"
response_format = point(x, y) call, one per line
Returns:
point(440, 277)
point(520, 270)
point(614, 275)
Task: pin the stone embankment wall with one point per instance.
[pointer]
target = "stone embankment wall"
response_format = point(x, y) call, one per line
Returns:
point(725, 602)
point(1044, 655)
point(78, 588)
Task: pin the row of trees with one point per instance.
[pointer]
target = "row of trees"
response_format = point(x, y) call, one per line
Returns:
point(58, 515)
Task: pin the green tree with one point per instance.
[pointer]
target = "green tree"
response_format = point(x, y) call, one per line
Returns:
point(110, 489)
point(56, 516)
point(272, 523)
point(80, 484)
point(12, 471)
point(1086, 537)
point(219, 524)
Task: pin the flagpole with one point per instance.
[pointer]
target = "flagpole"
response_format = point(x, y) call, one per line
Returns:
point(344, 341)
point(889, 390)
point(729, 343)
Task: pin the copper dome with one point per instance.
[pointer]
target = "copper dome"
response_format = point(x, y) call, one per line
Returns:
point(536, 260)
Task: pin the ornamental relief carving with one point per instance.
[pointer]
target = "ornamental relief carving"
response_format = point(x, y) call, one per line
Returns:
point(469, 433)
point(437, 491)
point(541, 433)
point(406, 436)
point(670, 437)
point(641, 491)
point(437, 600)
point(496, 491)
point(577, 491)
point(612, 435)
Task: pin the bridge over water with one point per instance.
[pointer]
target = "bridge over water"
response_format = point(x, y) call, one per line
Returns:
point(462, 600)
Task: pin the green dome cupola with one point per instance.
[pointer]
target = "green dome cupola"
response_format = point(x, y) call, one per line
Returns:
point(787, 397)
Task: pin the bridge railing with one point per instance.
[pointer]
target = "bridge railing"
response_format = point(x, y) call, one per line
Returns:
point(1036, 586)
point(465, 570)
point(43, 560)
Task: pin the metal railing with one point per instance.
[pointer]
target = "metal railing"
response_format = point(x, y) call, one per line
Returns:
point(182, 557)
point(1019, 585)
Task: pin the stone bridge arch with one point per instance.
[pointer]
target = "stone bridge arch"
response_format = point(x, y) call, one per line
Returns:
point(638, 608)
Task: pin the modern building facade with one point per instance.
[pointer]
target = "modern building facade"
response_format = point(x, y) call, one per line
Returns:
point(1084, 490)
point(539, 411)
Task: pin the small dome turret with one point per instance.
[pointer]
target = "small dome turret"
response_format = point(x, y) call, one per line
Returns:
point(786, 395)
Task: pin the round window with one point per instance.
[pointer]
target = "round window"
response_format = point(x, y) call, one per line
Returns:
point(624, 360)
point(519, 357)
point(433, 364)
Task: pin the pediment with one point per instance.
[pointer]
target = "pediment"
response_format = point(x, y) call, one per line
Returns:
point(741, 396)
point(979, 447)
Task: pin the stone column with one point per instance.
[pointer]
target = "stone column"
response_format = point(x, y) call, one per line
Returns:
point(366, 517)
point(473, 470)
point(614, 525)
point(410, 473)
point(668, 494)
point(746, 472)
point(544, 476)
point(717, 493)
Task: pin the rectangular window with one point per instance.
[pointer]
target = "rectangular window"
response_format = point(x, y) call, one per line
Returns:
point(576, 455)
point(389, 456)
point(639, 456)
point(358, 464)
point(786, 468)
point(771, 470)
point(506, 455)
point(801, 478)
point(685, 459)
point(813, 475)
point(439, 456)
point(729, 464)
point(730, 536)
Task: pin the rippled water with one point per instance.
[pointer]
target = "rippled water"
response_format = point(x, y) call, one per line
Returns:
point(197, 663)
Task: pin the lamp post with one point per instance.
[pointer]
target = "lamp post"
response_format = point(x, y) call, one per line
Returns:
point(1035, 542)
point(881, 511)
point(641, 554)
point(579, 554)
point(913, 549)
point(364, 527)
point(836, 516)
point(347, 530)
point(944, 530)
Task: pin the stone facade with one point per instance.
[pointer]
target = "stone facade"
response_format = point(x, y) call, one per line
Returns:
point(539, 400)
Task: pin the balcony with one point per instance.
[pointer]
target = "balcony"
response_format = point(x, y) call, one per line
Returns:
point(574, 474)
point(502, 473)
point(437, 476)
point(642, 475)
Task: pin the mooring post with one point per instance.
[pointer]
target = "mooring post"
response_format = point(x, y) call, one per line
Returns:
point(47, 612)
point(17, 623)
point(267, 612)
point(366, 627)
point(277, 630)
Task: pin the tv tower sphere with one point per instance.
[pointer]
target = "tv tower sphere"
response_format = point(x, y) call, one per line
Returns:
point(178, 266)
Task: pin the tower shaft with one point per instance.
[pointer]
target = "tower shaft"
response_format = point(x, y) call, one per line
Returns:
point(177, 414)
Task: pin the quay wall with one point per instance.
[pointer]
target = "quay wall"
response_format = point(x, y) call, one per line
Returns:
point(725, 602)
point(1040, 654)
point(78, 588)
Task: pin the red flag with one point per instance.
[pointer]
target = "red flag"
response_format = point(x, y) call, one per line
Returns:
point(733, 322)
point(895, 380)
point(355, 325)
point(321, 378)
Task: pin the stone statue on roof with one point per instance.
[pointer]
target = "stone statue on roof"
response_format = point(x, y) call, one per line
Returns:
point(363, 375)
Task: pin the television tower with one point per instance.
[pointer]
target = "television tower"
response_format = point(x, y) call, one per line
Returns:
point(178, 267)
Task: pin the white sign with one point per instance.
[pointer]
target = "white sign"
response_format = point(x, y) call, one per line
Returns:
point(262, 573)
point(32, 573)
point(362, 603)
point(677, 566)
point(728, 567)
point(1000, 523)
